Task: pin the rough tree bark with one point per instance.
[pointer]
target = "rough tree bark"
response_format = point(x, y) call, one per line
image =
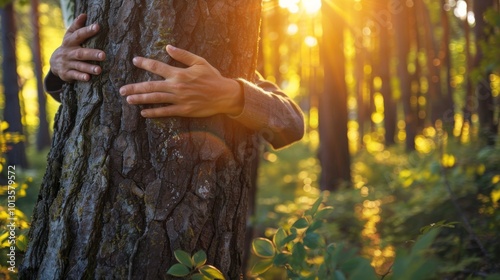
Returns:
point(121, 192)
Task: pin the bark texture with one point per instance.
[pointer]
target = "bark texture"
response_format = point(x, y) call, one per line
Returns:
point(121, 193)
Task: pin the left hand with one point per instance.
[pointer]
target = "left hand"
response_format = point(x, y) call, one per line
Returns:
point(196, 91)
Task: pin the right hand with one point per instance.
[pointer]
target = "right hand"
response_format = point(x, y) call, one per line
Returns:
point(71, 62)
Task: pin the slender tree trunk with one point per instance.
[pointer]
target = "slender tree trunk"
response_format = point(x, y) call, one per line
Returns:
point(433, 63)
point(470, 104)
point(448, 103)
point(390, 117)
point(359, 60)
point(420, 109)
point(334, 146)
point(486, 108)
point(43, 136)
point(16, 154)
point(121, 192)
point(402, 49)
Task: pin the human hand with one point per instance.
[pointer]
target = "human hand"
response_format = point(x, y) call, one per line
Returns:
point(196, 91)
point(71, 62)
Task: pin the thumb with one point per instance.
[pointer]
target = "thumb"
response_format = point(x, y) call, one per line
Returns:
point(184, 56)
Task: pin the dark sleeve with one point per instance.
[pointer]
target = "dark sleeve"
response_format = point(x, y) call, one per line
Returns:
point(271, 113)
point(53, 85)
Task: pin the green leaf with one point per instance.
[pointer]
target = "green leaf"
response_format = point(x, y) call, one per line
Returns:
point(314, 226)
point(323, 213)
point(289, 238)
point(263, 247)
point(339, 275)
point(183, 257)
point(261, 267)
point(279, 238)
point(298, 253)
point(300, 223)
point(312, 240)
point(178, 270)
point(424, 241)
point(199, 276)
point(281, 259)
point(199, 258)
point(315, 206)
point(211, 272)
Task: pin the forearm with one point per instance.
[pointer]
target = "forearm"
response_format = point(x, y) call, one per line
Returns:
point(269, 112)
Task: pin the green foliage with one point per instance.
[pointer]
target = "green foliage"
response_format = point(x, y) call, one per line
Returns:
point(193, 267)
point(490, 62)
point(11, 191)
point(297, 248)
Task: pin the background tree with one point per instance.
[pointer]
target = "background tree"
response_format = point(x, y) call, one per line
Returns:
point(334, 147)
point(16, 154)
point(121, 192)
point(43, 136)
point(486, 107)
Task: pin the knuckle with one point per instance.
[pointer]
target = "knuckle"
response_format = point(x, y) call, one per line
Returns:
point(78, 54)
point(180, 76)
point(180, 86)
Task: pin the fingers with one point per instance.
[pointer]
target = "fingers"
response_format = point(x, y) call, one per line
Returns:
point(83, 54)
point(152, 98)
point(154, 66)
point(144, 87)
point(78, 23)
point(78, 33)
point(184, 56)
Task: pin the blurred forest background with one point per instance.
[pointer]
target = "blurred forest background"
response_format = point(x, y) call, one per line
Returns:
point(401, 99)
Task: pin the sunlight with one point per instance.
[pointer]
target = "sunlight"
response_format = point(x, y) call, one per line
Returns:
point(311, 6)
point(461, 10)
point(292, 29)
point(311, 41)
point(291, 5)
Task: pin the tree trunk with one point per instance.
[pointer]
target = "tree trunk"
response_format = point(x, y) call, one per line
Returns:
point(470, 103)
point(448, 103)
point(43, 136)
point(402, 49)
point(334, 146)
point(384, 70)
point(16, 154)
point(433, 64)
point(485, 104)
point(121, 192)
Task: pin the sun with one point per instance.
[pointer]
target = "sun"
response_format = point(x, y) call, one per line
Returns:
point(296, 6)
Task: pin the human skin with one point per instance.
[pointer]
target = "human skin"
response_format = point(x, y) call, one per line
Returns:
point(196, 91)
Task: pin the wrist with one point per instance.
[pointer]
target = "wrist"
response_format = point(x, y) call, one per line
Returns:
point(235, 100)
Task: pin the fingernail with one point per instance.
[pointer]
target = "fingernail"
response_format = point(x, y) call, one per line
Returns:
point(99, 55)
point(172, 48)
point(95, 70)
point(134, 60)
point(122, 91)
point(93, 27)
